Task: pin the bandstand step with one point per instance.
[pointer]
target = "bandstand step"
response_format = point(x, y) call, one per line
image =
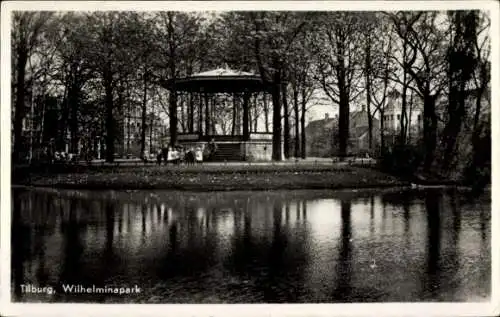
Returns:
point(228, 152)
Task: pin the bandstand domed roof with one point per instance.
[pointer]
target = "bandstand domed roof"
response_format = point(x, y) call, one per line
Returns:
point(219, 80)
point(222, 72)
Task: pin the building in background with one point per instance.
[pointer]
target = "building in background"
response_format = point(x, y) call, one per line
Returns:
point(131, 129)
point(392, 121)
point(322, 135)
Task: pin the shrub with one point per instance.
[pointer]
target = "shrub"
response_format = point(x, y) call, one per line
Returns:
point(477, 173)
point(403, 160)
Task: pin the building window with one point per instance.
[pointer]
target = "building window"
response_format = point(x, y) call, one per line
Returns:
point(419, 118)
point(399, 117)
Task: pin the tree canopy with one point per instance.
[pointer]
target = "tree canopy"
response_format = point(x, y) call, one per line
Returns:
point(88, 69)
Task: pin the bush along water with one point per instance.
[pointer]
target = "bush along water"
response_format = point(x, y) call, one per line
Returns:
point(402, 160)
point(477, 173)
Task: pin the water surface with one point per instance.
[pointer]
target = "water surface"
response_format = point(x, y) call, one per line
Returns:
point(241, 247)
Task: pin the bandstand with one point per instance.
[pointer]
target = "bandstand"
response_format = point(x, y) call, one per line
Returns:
point(239, 87)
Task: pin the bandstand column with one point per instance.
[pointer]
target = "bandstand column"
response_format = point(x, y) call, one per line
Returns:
point(200, 114)
point(191, 113)
point(207, 116)
point(246, 98)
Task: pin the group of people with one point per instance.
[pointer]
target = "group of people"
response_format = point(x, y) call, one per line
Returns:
point(178, 154)
point(47, 154)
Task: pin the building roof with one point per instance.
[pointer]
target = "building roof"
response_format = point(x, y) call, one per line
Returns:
point(322, 124)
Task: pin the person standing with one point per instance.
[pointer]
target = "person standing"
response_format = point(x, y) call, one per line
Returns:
point(212, 147)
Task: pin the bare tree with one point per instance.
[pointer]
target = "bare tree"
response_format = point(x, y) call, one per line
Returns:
point(339, 66)
point(28, 29)
point(422, 34)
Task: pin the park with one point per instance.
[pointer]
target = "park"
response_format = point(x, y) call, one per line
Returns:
point(223, 157)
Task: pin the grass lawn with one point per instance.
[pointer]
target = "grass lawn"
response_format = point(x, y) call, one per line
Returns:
point(207, 177)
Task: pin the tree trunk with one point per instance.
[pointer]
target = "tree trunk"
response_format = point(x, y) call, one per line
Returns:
point(151, 123)
point(382, 141)
point(173, 76)
point(303, 125)
point(250, 116)
point(410, 114)
point(173, 117)
point(42, 120)
point(276, 94)
point(370, 128)
point(110, 122)
point(266, 112)
point(402, 135)
point(430, 127)
point(20, 109)
point(368, 93)
point(74, 103)
point(456, 112)
point(246, 105)
point(477, 112)
point(143, 118)
point(207, 115)
point(462, 66)
point(255, 113)
point(343, 125)
point(297, 125)
point(480, 149)
point(62, 125)
point(343, 102)
point(286, 118)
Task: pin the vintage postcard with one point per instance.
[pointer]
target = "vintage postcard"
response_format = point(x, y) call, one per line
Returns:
point(260, 158)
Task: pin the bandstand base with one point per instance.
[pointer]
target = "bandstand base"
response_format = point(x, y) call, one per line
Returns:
point(258, 147)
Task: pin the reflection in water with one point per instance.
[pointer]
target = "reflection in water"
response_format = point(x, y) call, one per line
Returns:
point(20, 236)
point(252, 247)
point(344, 262)
point(432, 201)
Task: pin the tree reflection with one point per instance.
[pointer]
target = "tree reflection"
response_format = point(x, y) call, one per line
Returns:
point(406, 215)
point(172, 238)
point(343, 268)
point(235, 246)
point(384, 216)
point(270, 268)
point(40, 237)
point(193, 232)
point(73, 246)
point(110, 226)
point(143, 222)
point(432, 201)
point(278, 243)
point(372, 216)
point(454, 249)
point(20, 240)
point(482, 220)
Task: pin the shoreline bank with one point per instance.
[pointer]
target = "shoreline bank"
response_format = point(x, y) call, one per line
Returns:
point(215, 178)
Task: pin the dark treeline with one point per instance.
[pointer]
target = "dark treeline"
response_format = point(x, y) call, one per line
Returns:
point(75, 75)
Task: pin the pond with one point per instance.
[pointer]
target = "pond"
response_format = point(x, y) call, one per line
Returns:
point(250, 247)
